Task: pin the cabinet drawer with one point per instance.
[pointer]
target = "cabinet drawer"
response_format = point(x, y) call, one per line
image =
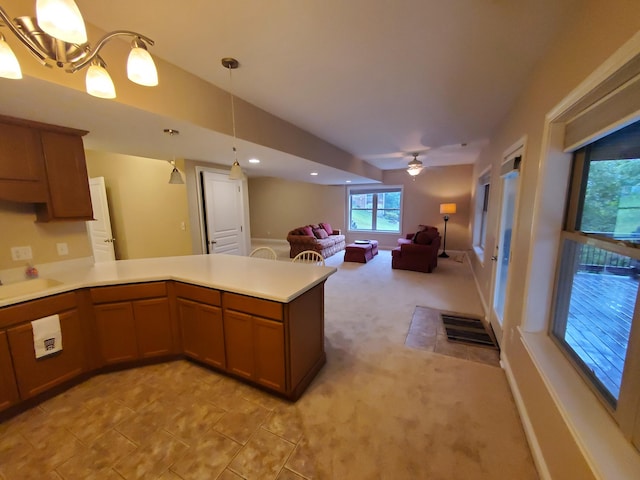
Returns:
point(34, 309)
point(198, 294)
point(254, 306)
point(128, 292)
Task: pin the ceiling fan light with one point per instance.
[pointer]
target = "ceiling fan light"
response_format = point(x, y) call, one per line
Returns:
point(9, 66)
point(413, 171)
point(61, 19)
point(99, 83)
point(141, 68)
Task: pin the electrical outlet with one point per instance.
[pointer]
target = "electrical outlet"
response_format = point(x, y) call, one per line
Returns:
point(21, 253)
point(63, 248)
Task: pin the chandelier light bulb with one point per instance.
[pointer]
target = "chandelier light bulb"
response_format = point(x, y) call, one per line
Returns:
point(141, 68)
point(61, 19)
point(99, 83)
point(9, 66)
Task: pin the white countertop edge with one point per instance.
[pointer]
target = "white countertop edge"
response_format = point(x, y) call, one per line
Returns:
point(69, 284)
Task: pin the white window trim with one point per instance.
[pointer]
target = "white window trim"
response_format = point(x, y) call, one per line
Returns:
point(379, 188)
point(608, 453)
point(478, 248)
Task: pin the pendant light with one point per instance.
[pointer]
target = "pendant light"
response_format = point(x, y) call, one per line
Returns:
point(236, 172)
point(175, 178)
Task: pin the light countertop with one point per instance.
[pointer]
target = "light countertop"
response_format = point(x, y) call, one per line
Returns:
point(268, 279)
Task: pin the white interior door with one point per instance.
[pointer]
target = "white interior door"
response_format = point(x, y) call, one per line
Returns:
point(100, 228)
point(223, 214)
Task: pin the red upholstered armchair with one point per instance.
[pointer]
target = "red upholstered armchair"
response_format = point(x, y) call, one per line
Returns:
point(417, 252)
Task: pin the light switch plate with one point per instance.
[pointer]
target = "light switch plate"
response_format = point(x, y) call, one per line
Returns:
point(21, 253)
point(63, 248)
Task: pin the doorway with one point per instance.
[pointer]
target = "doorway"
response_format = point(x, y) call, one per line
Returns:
point(100, 232)
point(223, 213)
point(510, 183)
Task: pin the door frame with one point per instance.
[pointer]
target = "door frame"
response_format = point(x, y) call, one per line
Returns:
point(244, 205)
point(517, 149)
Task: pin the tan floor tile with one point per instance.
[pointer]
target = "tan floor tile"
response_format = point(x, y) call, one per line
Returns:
point(96, 423)
point(169, 475)
point(302, 460)
point(445, 347)
point(229, 475)
point(13, 449)
point(152, 458)
point(193, 424)
point(16, 424)
point(138, 396)
point(206, 459)
point(240, 426)
point(484, 355)
point(88, 465)
point(262, 457)
point(112, 446)
point(287, 474)
point(286, 423)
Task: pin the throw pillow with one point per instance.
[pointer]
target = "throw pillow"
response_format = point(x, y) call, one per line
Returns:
point(320, 233)
point(425, 237)
point(327, 228)
point(307, 231)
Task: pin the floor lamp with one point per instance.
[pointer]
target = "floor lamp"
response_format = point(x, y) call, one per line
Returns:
point(446, 209)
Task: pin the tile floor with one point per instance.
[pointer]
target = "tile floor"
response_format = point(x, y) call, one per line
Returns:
point(169, 421)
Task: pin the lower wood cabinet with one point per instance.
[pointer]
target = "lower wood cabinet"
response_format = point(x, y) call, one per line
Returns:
point(202, 332)
point(133, 329)
point(255, 349)
point(8, 389)
point(35, 376)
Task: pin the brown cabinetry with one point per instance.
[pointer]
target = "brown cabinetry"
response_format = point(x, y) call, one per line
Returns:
point(44, 164)
point(255, 345)
point(133, 321)
point(202, 332)
point(67, 179)
point(34, 376)
point(8, 389)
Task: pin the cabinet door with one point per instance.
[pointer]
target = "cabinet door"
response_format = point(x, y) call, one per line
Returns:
point(116, 332)
point(153, 327)
point(33, 375)
point(69, 195)
point(8, 388)
point(202, 332)
point(268, 339)
point(238, 337)
point(22, 177)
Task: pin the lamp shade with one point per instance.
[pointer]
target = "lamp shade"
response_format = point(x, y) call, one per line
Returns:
point(9, 66)
point(99, 83)
point(175, 178)
point(236, 172)
point(141, 68)
point(61, 19)
point(447, 208)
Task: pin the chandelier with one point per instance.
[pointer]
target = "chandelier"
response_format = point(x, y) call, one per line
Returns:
point(58, 37)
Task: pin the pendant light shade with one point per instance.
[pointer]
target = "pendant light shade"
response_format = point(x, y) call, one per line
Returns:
point(61, 19)
point(99, 83)
point(236, 171)
point(176, 177)
point(9, 66)
point(140, 66)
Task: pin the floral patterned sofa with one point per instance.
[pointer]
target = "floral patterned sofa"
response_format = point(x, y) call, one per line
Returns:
point(319, 237)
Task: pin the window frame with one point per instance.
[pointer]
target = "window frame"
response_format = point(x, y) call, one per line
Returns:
point(483, 193)
point(374, 190)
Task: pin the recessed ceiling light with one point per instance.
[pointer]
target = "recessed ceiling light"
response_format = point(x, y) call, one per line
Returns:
point(313, 174)
point(348, 181)
point(254, 160)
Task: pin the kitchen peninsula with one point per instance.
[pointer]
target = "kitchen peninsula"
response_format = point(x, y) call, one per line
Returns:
point(258, 320)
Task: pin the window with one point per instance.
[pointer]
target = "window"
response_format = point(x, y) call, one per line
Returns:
point(597, 277)
point(482, 207)
point(375, 209)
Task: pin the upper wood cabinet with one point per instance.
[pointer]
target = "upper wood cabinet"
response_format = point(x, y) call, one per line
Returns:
point(67, 179)
point(44, 164)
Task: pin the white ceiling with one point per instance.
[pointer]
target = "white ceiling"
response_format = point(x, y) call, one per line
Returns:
point(378, 78)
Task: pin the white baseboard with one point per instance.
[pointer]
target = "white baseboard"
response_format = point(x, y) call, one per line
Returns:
point(485, 307)
point(534, 445)
point(275, 241)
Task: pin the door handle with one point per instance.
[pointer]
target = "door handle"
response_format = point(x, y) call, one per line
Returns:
point(213, 242)
point(494, 258)
point(110, 240)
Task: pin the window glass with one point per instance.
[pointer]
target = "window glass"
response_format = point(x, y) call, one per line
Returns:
point(375, 209)
point(597, 279)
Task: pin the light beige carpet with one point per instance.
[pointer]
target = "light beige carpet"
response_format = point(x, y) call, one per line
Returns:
point(382, 410)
